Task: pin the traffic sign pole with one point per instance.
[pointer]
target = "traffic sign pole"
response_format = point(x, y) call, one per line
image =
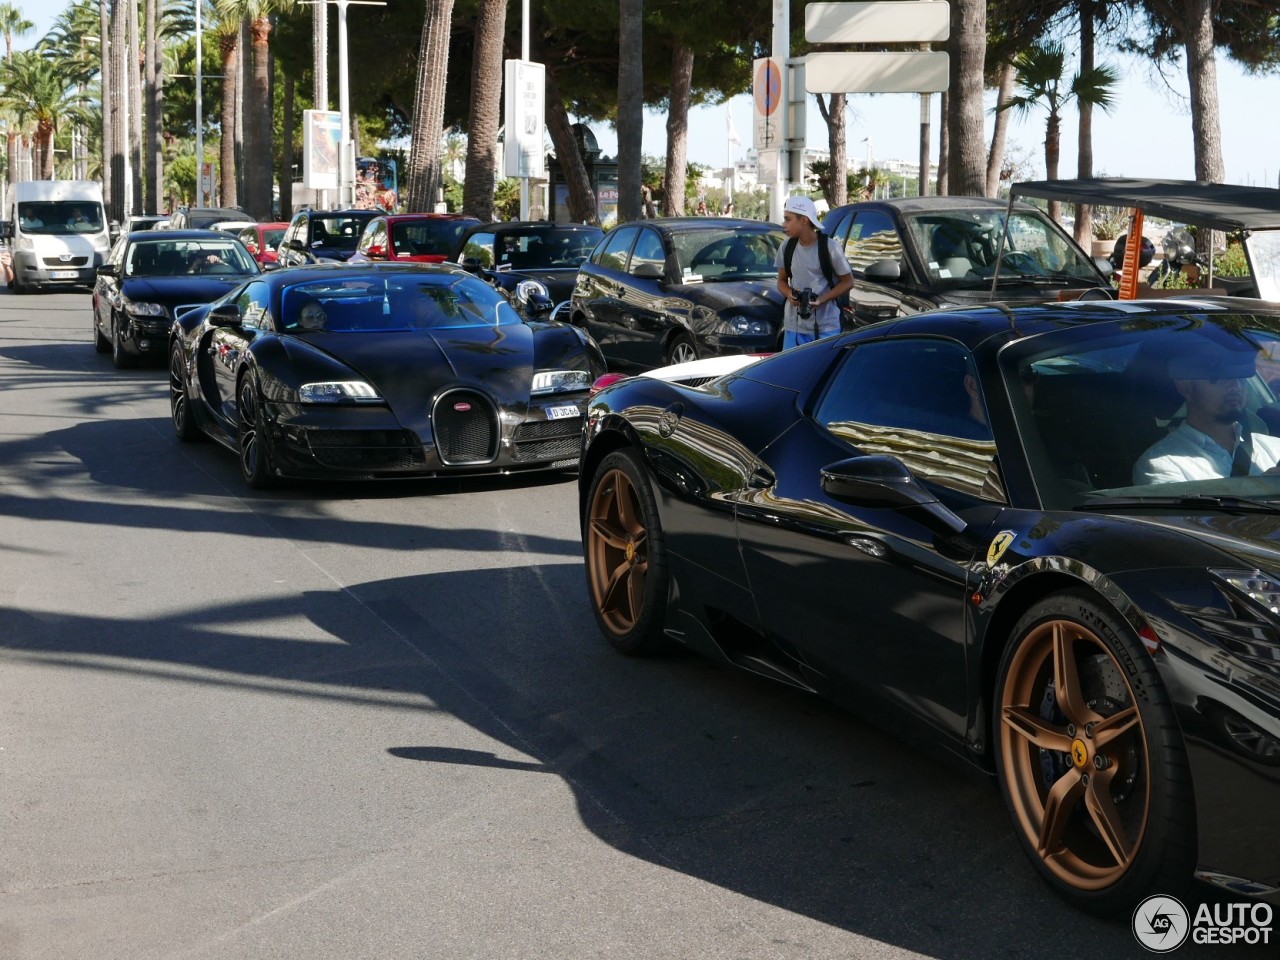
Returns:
point(781, 54)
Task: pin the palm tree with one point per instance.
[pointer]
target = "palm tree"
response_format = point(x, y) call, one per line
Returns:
point(37, 91)
point(630, 107)
point(223, 28)
point(1039, 78)
point(424, 175)
point(14, 24)
point(486, 106)
point(73, 41)
point(963, 137)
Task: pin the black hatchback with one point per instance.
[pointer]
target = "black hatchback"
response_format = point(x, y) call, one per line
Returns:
point(316, 235)
point(682, 288)
point(919, 253)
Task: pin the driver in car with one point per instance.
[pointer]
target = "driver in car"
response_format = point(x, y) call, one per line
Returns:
point(1214, 440)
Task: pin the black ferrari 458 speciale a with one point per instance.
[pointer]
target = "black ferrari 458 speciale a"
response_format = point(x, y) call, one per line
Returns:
point(381, 370)
point(1046, 537)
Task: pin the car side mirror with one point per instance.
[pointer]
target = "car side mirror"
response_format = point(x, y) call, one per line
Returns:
point(105, 270)
point(296, 244)
point(648, 271)
point(270, 265)
point(471, 264)
point(884, 271)
point(225, 315)
point(1104, 266)
point(6, 229)
point(376, 252)
point(885, 482)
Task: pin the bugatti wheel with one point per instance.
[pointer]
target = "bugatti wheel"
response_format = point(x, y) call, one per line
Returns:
point(255, 451)
point(1090, 757)
point(179, 403)
point(626, 561)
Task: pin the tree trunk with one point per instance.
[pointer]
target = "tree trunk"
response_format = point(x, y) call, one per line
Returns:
point(677, 172)
point(229, 47)
point(104, 35)
point(995, 159)
point(944, 147)
point(581, 198)
point(136, 119)
point(44, 149)
point(155, 111)
point(1052, 150)
point(630, 108)
point(486, 109)
point(1202, 78)
point(967, 176)
point(284, 169)
point(424, 174)
point(838, 144)
point(258, 170)
point(119, 109)
point(1083, 230)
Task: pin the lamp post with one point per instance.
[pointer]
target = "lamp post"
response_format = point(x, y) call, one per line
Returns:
point(200, 108)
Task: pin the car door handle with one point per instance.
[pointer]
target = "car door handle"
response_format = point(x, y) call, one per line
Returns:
point(761, 478)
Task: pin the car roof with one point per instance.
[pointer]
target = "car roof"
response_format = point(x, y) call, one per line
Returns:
point(287, 276)
point(337, 213)
point(499, 225)
point(162, 235)
point(407, 217)
point(676, 224)
point(931, 204)
point(1227, 206)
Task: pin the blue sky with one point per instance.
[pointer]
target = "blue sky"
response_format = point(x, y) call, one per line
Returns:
point(1148, 134)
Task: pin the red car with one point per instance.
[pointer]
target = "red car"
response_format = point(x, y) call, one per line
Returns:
point(262, 240)
point(421, 237)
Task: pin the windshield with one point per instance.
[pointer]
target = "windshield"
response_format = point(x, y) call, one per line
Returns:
point(959, 248)
point(337, 233)
point(172, 258)
point(1264, 257)
point(393, 303)
point(428, 237)
point(1153, 407)
point(726, 253)
point(544, 248)
point(60, 217)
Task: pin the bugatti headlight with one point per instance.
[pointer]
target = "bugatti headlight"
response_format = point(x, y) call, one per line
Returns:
point(338, 391)
point(560, 381)
point(746, 327)
point(140, 308)
point(1262, 588)
point(526, 290)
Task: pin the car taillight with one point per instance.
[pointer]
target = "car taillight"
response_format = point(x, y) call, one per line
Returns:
point(608, 380)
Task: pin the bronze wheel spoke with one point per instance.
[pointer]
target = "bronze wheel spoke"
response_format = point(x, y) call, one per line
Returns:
point(616, 587)
point(1066, 680)
point(1102, 808)
point(1036, 729)
point(1058, 806)
point(1109, 728)
point(610, 534)
point(623, 501)
point(635, 592)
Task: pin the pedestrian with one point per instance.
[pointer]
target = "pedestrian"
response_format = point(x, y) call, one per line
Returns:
point(812, 274)
point(728, 208)
point(6, 266)
point(702, 209)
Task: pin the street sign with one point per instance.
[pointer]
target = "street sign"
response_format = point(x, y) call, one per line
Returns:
point(894, 21)
point(766, 130)
point(206, 180)
point(907, 72)
point(524, 121)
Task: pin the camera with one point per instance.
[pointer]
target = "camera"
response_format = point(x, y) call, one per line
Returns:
point(804, 307)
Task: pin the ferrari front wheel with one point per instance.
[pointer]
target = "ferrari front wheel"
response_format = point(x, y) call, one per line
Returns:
point(625, 557)
point(255, 453)
point(1090, 757)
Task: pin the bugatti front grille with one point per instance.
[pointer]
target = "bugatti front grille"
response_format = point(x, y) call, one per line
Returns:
point(366, 449)
point(548, 440)
point(466, 427)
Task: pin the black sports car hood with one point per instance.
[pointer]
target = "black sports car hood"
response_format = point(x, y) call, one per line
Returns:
point(746, 295)
point(173, 291)
point(1253, 538)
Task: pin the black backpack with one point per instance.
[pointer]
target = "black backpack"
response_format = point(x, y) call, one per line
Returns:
point(824, 264)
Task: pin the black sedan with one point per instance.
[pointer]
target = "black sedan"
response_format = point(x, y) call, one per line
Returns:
point(920, 253)
point(674, 290)
point(534, 264)
point(379, 370)
point(149, 274)
point(941, 521)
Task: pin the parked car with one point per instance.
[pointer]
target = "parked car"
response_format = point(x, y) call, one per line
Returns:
point(233, 226)
point(146, 221)
point(203, 218)
point(379, 370)
point(416, 237)
point(668, 291)
point(934, 521)
point(148, 275)
point(315, 235)
point(533, 263)
point(919, 253)
point(262, 239)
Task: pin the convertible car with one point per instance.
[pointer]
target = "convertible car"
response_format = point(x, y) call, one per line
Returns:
point(382, 370)
point(953, 522)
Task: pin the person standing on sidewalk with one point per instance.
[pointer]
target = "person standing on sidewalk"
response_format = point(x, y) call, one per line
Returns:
point(810, 261)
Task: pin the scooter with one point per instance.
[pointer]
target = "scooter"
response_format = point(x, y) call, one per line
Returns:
point(1180, 260)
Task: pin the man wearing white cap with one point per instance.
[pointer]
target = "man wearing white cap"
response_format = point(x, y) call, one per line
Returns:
point(813, 262)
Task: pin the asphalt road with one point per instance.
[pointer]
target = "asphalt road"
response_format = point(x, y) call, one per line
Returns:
point(377, 721)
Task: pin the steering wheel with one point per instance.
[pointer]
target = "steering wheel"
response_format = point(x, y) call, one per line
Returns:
point(1021, 261)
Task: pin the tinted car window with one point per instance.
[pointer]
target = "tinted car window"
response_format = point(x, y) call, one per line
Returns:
point(253, 307)
point(726, 253)
point(398, 302)
point(336, 232)
point(648, 250)
point(427, 237)
point(614, 256)
point(171, 258)
point(909, 399)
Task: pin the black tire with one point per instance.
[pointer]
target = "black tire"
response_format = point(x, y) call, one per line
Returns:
point(121, 358)
point(184, 424)
point(681, 349)
point(255, 452)
point(100, 343)
point(626, 565)
point(1090, 758)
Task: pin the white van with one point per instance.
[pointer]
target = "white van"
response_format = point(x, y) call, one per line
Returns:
point(58, 232)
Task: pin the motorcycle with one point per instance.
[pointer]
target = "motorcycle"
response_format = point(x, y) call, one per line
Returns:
point(1181, 266)
point(1145, 256)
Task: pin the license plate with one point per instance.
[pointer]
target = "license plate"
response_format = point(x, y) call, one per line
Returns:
point(560, 413)
point(64, 274)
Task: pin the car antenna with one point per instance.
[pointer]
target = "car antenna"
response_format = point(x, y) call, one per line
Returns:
point(1009, 315)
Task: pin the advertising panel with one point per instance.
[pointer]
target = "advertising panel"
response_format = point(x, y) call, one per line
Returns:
point(321, 136)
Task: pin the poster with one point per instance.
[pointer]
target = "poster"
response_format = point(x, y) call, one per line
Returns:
point(377, 187)
point(321, 133)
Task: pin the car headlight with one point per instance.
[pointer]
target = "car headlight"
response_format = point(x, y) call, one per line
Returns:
point(1262, 588)
point(338, 391)
point(526, 290)
point(746, 327)
point(140, 308)
point(23, 242)
point(560, 381)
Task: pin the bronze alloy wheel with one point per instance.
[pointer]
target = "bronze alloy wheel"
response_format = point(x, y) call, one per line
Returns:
point(1073, 754)
point(623, 547)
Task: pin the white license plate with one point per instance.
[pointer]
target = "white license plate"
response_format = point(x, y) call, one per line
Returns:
point(64, 274)
point(560, 413)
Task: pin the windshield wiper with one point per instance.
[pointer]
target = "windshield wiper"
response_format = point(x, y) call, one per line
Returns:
point(1205, 500)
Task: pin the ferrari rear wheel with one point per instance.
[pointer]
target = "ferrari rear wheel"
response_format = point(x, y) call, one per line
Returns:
point(681, 350)
point(625, 557)
point(179, 403)
point(1090, 757)
point(255, 454)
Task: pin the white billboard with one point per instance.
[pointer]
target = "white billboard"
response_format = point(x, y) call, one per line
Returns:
point(524, 119)
point(901, 21)
point(876, 72)
point(321, 148)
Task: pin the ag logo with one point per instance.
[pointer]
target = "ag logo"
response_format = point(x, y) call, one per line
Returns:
point(999, 545)
point(1161, 923)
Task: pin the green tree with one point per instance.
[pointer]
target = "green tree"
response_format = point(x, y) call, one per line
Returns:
point(37, 91)
point(14, 24)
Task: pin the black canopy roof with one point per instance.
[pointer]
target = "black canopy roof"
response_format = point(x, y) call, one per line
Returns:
point(1224, 206)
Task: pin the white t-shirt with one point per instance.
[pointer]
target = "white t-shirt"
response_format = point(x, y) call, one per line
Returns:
point(806, 272)
point(1188, 454)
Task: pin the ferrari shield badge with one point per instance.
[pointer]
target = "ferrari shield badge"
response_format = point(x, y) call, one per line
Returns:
point(998, 546)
